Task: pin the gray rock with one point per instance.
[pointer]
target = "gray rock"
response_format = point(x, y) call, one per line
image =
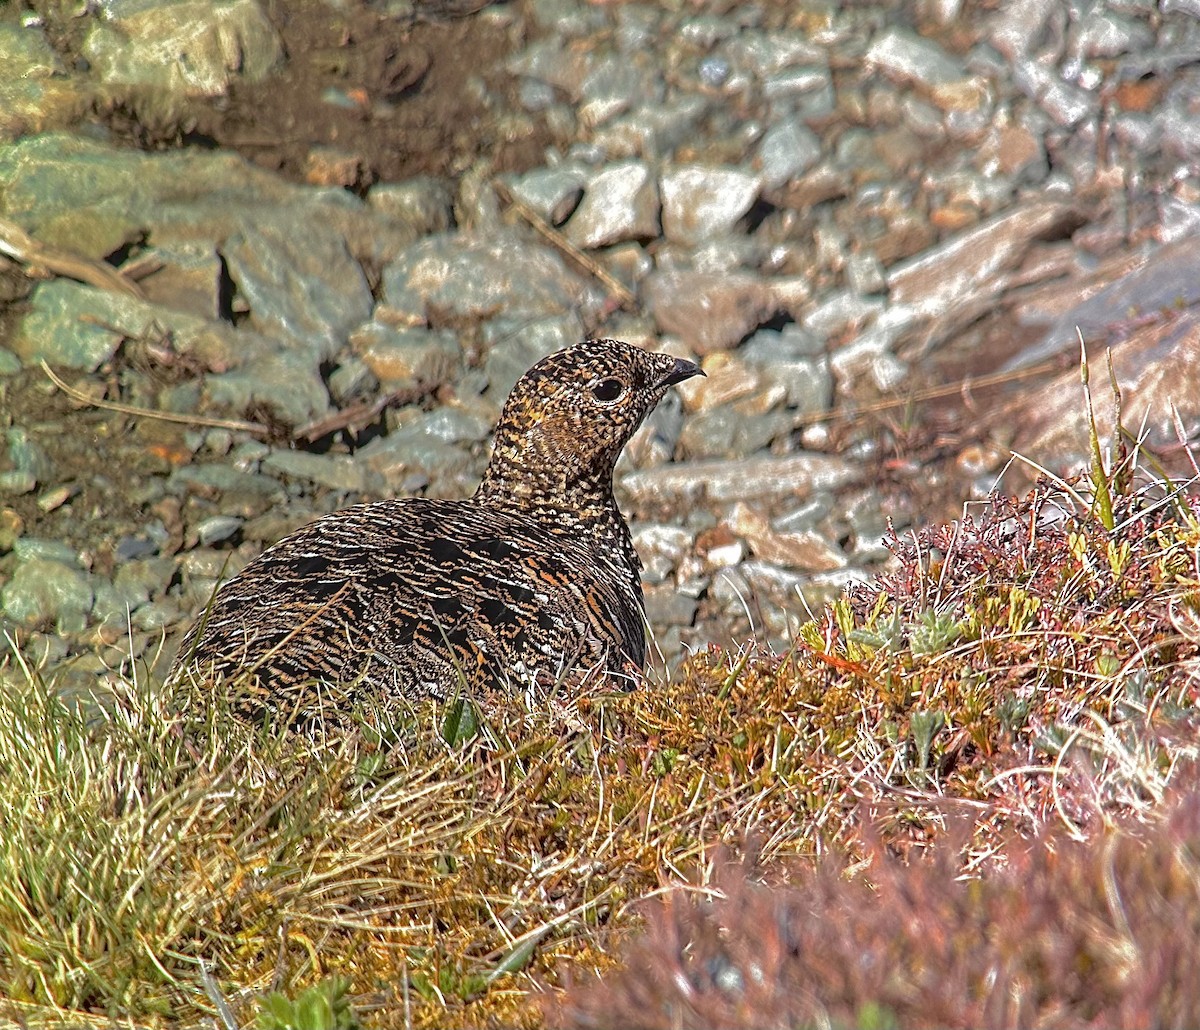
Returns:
point(28, 456)
point(10, 364)
point(1066, 104)
point(666, 606)
point(769, 478)
point(726, 432)
point(476, 276)
point(863, 516)
point(515, 345)
point(807, 381)
point(32, 548)
point(840, 311)
point(613, 85)
point(548, 61)
point(187, 47)
point(401, 358)
point(407, 460)
point(54, 331)
point(762, 54)
point(661, 547)
point(972, 265)
point(701, 202)
point(44, 592)
point(567, 17)
point(25, 53)
point(336, 471)
point(225, 480)
point(535, 95)
point(15, 482)
point(709, 311)
point(300, 281)
point(552, 192)
point(769, 346)
point(904, 55)
point(424, 204)
point(780, 596)
point(93, 198)
point(620, 203)
point(1103, 34)
point(35, 92)
point(652, 131)
point(204, 569)
point(217, 529)
point(351, 380)
point(804, 549)
point(805, 515)
point(190, 278)
point(637, 26)
point(864, 272)
point(288, 382)
point(813, 80)
point(786, 150)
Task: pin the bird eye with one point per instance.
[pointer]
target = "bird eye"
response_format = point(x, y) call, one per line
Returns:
point(608, 390)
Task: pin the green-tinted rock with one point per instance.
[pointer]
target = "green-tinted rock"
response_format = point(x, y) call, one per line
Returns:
point(337, 471)
point(185, 47)
point(405, 357)
point(35, 91)
point(43, 592)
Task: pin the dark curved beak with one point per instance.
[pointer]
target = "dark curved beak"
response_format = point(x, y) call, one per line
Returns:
point(681, 371)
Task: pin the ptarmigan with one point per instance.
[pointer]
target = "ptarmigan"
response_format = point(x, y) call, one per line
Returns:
point(531, 582)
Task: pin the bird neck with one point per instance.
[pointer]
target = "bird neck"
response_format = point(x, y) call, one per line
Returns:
point(577, 499)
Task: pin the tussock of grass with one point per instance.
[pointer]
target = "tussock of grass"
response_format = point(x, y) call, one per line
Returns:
point(1027, 668)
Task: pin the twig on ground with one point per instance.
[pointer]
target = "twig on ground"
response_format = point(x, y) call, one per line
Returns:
point(17, 244)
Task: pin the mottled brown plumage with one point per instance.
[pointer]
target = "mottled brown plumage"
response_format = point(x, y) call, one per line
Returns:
point(532, 581)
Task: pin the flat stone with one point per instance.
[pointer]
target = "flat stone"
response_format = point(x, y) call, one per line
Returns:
point(729, 433)
point(666, 606)
point(423, 203)
point(909, 57)
point(91, 197)
point(974, 265)
point(189, 278)
point(661, 548)
point(42, 592)
point(68, 325)
point(702, 202)
point(336, 471)
point(652, 131)
point(788, 149)
point(301, 282)
point(287, 381)
point(479, 275)
point(406, 357)
point(727, 376)
point(709, 311)
point(552, 192)
point(770, 478)
point(35, 91)
point(805, 549)
point(620, 203)
point(765, 53)
point(402, 458)
point(194, 48)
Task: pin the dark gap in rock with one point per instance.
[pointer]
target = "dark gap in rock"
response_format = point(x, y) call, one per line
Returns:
point(226, 290)
point(759, 212)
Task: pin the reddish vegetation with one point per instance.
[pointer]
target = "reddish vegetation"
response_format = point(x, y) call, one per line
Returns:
point(1066, 934)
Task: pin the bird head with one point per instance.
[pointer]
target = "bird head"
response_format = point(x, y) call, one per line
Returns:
point(567, 419)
